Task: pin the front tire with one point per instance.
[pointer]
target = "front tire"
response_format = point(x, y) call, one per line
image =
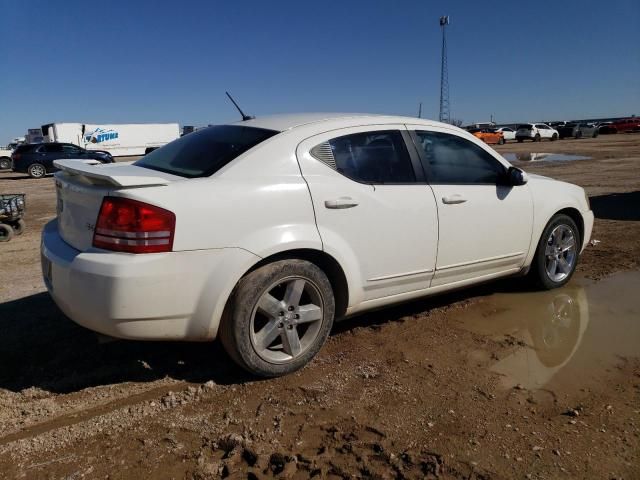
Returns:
point(18, 226)
point(36, 170)
point(6, 232)
point(554, 137)
point(278, 318)
point(5, 163)
point(557, 253)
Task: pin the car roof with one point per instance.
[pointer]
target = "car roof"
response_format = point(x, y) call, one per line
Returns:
point(289, 121)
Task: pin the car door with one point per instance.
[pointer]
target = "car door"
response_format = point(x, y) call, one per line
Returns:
point(545, 132)
point(509, 134)
point(49, 153)
point(374, 211)
point(484, 225)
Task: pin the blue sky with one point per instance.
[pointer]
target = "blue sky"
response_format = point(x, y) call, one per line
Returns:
point(157, 61)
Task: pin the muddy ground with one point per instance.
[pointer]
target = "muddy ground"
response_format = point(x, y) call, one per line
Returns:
point(492, 382)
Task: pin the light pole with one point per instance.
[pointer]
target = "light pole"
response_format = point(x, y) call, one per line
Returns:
point(444, 75)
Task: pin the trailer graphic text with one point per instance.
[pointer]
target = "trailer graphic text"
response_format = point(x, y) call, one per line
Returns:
point(100, 135)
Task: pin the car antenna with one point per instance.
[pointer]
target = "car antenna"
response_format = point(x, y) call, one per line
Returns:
point(244, 117)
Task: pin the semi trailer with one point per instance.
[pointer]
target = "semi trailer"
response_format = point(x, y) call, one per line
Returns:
point(117, 139)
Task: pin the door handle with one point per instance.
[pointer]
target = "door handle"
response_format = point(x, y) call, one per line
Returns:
point(340, 203)
point(454, 199)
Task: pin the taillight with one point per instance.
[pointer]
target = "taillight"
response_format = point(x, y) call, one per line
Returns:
point(126, 225)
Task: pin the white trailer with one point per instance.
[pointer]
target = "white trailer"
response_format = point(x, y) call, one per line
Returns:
point(117, 139)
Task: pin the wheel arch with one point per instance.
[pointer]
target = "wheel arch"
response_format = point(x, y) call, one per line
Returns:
point(575, 215)
point(328, 264)
point(571, 212)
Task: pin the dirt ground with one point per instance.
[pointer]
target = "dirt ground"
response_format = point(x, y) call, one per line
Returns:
point(466, 385)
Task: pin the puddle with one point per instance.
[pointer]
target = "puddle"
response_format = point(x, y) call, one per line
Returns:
point(542, 157)
point(562, 339)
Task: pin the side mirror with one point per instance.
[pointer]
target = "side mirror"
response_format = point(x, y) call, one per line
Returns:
point(516, 177)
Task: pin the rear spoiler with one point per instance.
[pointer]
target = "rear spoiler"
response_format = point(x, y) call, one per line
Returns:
point(124, 175)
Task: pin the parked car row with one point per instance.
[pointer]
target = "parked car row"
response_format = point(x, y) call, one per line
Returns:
point(624, 125)
point(576, 130)
point(536, 132)
point(525, 131)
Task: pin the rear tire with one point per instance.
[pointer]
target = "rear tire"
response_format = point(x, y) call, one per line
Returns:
point(560, 242)
point(578, 135)
point(5, 163)
point(36, 170)
point(501, 141)
point(536, 138)
point(6, 232)
point(19, 226)
point(269, 329)
point(520, 140)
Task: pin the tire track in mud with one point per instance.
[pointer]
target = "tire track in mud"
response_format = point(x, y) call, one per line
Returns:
point(75, 418)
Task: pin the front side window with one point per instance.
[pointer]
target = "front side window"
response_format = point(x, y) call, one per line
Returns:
point(454, 160)
point(203, 153)
point(371, 157)
point(70, 149)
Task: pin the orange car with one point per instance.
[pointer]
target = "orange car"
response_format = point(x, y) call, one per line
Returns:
point(488, 136)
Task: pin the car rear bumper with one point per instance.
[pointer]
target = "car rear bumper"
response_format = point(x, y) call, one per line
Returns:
point(159, 296)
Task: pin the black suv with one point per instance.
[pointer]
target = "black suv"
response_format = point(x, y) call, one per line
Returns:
point(36, 159)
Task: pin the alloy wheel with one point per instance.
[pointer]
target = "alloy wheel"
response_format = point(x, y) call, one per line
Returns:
point(286, 320)
point(37, 170)
point(560, 253)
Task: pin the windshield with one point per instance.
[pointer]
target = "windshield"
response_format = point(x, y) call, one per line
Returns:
point(202, 153)
point(524, 126)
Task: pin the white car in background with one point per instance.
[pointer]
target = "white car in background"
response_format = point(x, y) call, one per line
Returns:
point(536, 132)
point(507, 133)
point(5, 158)
point(264, 232)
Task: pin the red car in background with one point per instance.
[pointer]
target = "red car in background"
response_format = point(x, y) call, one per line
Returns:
point(625, 125)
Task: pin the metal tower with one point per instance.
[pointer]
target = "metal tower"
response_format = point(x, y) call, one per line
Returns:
point(444, 75)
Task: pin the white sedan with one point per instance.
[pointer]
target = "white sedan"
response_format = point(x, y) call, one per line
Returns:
point(265, 231)
point(507, 133)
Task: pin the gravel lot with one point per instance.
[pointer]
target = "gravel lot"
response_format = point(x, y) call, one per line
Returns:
point(492, 382)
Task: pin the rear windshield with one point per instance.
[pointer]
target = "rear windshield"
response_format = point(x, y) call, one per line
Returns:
point(524, 126)
point(204, 152)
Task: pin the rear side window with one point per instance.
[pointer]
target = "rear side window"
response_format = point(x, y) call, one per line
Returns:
point(454, 160)
point(371, 157)
point(203, 153)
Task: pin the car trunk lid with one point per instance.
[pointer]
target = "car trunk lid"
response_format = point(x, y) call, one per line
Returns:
point(82, 184)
